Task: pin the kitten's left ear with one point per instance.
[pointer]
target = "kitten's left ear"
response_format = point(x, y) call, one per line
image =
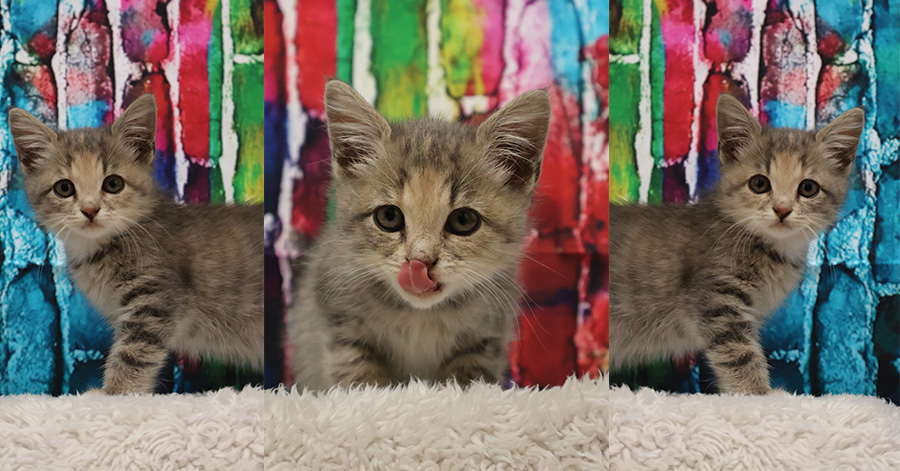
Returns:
point(137, 128)
point(514, 137)
point(838, 141)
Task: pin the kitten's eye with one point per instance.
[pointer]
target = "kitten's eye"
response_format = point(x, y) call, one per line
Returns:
point(463, 222)
point(808, 189)
point(113, 184)
point(389, 218)
point(759, 184)
point(64, 188)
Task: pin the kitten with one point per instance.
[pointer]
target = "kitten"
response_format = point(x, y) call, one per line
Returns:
point(415, 276)
point(705, 276)
point(167, 276)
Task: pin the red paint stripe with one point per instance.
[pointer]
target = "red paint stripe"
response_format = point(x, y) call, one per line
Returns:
point(316, 43)
point(677, 29)
point(193, 76)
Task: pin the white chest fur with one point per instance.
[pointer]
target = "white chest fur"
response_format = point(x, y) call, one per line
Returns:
point(93, 279)
point(419, 341)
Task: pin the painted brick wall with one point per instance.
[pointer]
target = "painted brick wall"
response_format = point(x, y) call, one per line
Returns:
point(458, 59)
point(79, 63)
point(797, 64)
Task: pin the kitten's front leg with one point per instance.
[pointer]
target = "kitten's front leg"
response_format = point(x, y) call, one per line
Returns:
point(139, 351)
point(484, 359)
point(354, 362)
point(734, 351)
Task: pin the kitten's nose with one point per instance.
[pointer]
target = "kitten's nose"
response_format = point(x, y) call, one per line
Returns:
point(781, 212)
point(90, 212)
point(428, 262)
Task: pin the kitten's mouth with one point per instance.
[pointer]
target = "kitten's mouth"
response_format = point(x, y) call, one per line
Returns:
point(415, 279)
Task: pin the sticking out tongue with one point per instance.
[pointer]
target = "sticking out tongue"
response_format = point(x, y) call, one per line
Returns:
point(414, 277)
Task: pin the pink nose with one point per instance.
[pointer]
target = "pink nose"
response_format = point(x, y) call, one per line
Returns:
point(781, 212)
point(414, 277)
point(90, 212)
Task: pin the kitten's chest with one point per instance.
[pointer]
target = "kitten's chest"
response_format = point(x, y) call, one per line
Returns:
point(420, 343)
point(777, 283)
point(94, 282)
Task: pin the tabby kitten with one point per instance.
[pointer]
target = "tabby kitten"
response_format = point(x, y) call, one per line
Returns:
point(415, 275)
point(705, 276)
point(167, 276)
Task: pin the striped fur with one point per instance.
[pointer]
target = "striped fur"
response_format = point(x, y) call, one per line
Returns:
point(351, 322)
point(704, 277)
point(169, 277)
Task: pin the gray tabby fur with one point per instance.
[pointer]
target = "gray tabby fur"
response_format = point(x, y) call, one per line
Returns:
point(704, 277)
point(351, 322)
point(185, 278)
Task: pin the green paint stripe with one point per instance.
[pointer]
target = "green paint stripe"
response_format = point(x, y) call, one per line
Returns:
point(626, 36)
point(346, 14)
point(657, 80)
point(248, 123)
point(400, 57)
point(624, 94)
point(247, 26)
point(461, 41)
point(214, 59)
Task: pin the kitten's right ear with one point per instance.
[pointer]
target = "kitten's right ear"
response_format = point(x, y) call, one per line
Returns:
point(736, 127)
point(33, 140)
point(356, 131)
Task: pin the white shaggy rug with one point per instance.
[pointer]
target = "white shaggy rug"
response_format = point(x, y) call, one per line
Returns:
point(215, 431)
point(421, 427)
point(651, 430)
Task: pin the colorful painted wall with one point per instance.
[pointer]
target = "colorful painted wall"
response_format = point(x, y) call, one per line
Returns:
point(79, 63)
point(793, 63)
point(459, 59)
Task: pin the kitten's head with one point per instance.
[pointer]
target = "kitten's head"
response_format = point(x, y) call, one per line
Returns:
point(784, 183)
point(432, 210)
point(88, 183)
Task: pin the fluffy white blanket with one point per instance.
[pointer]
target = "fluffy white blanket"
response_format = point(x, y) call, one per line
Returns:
point(214, 431)
point(421, 427)
point(657, 431)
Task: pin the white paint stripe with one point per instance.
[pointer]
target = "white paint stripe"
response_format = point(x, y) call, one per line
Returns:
point(171, 66)
point(624, 58)
point(228, 159)
point(748, 69)
point(249, 58)
point(701, 72)
point(123, 68)
point(804, 11)
point(642, 138)
point(440, 105)
point(66, 13)
point(509, 80)
point(296, 135)
point(363, 80)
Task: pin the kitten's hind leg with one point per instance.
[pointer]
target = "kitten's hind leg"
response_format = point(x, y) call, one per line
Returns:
point(139, 351)
point(734, 352)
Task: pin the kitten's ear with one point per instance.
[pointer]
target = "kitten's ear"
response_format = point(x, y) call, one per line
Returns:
point(136, 128)
point(838, 141)
point(33, 140)
point(356, 131)
point(736, 127)
point(514, 137)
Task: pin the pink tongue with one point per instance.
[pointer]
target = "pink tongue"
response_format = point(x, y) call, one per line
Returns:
point(414, 278)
